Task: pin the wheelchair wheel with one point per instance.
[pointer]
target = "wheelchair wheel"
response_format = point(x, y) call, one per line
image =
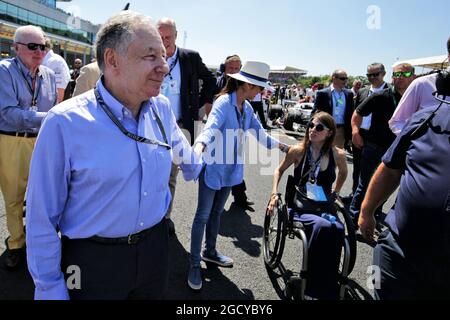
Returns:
point(349, 236)
point(275, 235)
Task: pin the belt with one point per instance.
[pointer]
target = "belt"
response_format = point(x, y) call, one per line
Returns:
point(19, 134)
point(130, 239)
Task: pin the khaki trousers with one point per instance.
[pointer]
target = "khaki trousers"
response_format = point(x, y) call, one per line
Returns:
point(15, 156)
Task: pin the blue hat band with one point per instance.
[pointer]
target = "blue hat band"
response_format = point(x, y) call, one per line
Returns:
point(245, 74)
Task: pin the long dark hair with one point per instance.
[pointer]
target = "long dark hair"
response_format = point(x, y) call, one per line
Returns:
point(231, 86)
point(328, 121)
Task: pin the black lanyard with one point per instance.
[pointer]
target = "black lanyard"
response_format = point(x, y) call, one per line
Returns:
point(314, 166)
point(33, 92)
point(130, 135)
point(173, 64)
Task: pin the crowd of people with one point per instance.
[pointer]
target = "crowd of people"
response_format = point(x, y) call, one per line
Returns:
point(96, 152)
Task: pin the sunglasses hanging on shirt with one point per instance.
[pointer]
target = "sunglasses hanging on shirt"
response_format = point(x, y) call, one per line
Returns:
point(130, 135)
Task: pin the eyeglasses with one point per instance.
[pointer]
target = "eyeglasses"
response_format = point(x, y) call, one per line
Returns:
point(406, 74)
point(343, 78)
point(373, 75)
point(319, 127)
point(33, 46)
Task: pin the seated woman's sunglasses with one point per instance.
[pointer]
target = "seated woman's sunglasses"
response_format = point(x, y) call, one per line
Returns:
point(319, 127)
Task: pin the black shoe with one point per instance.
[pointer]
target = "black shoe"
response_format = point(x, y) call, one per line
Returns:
point(171, 227)
point(13, 258)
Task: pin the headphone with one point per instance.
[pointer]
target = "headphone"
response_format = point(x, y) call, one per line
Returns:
point(222, 65)
point(443, 84)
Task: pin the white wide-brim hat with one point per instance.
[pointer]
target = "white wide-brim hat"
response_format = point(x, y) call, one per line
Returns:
point(254, 72)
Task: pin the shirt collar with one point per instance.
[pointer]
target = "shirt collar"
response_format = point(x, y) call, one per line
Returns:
point(333, 89)
point(49, 54)
point(173, 57)
point(233, 100)
point(117, 108)
point(26, 71)
point(377, 89)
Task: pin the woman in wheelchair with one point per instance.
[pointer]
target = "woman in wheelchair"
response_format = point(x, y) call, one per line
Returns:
point(315, 160)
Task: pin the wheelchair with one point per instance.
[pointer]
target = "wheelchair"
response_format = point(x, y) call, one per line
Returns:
point(281, 225)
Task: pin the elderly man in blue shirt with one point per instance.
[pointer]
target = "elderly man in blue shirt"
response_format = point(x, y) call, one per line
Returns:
point(100, 173)
point(27, 92)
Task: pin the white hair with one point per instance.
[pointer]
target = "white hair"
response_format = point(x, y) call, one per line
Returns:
point(21, 32)
point(167, 22)
point(118, 32)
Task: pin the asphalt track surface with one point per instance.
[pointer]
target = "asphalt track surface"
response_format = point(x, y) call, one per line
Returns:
point(240, 237)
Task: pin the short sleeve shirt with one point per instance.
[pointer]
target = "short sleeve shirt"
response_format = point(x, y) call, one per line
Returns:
point(421, 218)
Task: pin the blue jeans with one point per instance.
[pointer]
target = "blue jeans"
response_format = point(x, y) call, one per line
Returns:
point(210, 206)
point(370, 160)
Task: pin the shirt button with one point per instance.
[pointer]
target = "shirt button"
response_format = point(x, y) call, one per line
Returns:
point(145, 193)
point(141, 224)
point(143, 160)
point(120, 118)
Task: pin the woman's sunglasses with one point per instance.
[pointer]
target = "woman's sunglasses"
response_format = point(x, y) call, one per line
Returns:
point(319, 127)
point(33, 46)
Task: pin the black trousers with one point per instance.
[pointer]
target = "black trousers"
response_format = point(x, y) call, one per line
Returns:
point(119, 271)
point(357, 152)
point(238, 192)
point(410, 275)
point(258, 109)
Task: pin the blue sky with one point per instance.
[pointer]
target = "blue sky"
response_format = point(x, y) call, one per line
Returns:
point(319, 36)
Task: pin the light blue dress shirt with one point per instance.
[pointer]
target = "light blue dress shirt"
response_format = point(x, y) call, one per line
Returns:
point(173, 94)
point(339, 104)
point(224, 167)
point(16, 114)
point(90, 179)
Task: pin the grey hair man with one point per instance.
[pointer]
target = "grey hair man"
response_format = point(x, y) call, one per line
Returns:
point(100, 172)
point(181, 86)
point(27, 92)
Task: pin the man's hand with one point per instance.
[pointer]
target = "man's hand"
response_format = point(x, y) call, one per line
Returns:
point(357, 140)
point(366, 223)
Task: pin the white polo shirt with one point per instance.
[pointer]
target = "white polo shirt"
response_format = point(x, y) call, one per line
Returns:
point(59, 66)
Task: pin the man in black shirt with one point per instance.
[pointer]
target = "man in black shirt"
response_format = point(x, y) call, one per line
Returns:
point(379, 137)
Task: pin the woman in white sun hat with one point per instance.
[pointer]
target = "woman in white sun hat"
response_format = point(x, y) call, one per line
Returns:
point(223, 140)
